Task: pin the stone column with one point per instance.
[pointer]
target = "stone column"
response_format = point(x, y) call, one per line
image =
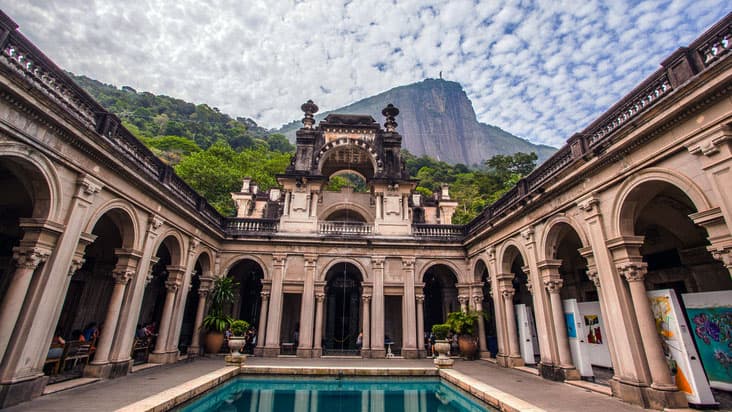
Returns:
point(160, 355)
point(420, 324)
point(478, 301)
point(560, 327)
point(595, 278)
point(182, 298)
point(366, 346)
point(203, 289)
point(318, 339)
point(463, 299)
point(21, 370)
point(409, 344)
point(514, 352)
point(377, 308)
point(262, 330)
point(635, 273)
point(274, 318)
point(305, 347)
point(97, 368)
point(26, 262)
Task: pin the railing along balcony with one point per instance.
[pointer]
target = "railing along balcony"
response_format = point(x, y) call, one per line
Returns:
point(241, 226)
point(438, 231)
point(345, 228)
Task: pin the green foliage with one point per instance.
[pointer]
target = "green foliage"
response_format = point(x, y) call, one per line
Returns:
point(222, 294)
point(463, 322)
point(216, 322)
point(337, 182)
point(239, 327)
point(441, 330)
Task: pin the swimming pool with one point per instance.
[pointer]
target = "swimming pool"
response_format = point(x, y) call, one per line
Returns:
point(333, 394)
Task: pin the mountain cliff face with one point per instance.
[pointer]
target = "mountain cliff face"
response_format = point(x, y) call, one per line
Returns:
point(437, 119)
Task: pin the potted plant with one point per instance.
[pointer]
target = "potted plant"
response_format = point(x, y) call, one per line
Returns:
point(463, 324)
point(238, 338)
point(216, 322)
point(442, 346)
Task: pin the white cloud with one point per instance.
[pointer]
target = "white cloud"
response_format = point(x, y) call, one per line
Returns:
point(542, 72)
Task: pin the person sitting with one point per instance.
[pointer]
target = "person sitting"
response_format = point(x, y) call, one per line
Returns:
point(91, 332)
point(141, 333)
point(76, 334)
point(56, 351)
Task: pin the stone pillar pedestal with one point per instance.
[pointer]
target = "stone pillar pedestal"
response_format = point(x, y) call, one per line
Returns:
point(318, 335)
point(567, 370)
point(420, 325)
point(160, 354)
point(482, 345)
point(262, 329)
point(366, 344)
point(203, 289)
point(514, 354)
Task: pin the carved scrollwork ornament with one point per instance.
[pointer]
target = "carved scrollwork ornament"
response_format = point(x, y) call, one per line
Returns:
point(478, 299)
point(264, 295)
point(633, 272)
point(724, 256)
point(320, 297)
point(366, 298)
point(529, 286)
point(29, 258)
point(172, 285)
point(76, 264)
point(553, 285)
point(463, 299)
point(203, 293)
point(594, 276)
point(123, 276)
point(508, 293)
point(419, 298)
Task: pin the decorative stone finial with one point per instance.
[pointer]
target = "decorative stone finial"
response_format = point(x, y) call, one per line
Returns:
point(390, 112)
point(310, 109)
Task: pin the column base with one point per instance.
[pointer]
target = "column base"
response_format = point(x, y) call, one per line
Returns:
point(18, 392)
point(108, 370)
point(317, 352)
point(258, 351)
point(194, 350)
point(165, 357)
point(365, 353)
point(484, 355)
point(558, 373)
point(628, 391)
point(502, 360)
point(378, 353)
point(410, 353)
point(271, 352)
point(664, 399)
point(304, 353)
point(514, 361)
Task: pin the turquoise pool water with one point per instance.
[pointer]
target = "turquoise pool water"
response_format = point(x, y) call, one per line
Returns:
point(331, 394)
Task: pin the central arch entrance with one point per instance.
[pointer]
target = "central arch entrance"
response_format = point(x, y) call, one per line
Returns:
point(440, 295)
point(343, 298)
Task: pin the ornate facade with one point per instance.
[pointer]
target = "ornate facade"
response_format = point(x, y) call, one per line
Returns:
point(95, 228)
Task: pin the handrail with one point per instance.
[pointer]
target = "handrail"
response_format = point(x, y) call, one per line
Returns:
point(238, 226)
point(345, 228)
point(451, 232)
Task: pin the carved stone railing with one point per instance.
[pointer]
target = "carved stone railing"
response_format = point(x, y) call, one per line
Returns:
point(680, 67)
point(447, 232)
point(246, 226)
point(345, 228)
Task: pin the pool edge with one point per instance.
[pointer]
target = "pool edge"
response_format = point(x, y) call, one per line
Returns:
point(180, 394)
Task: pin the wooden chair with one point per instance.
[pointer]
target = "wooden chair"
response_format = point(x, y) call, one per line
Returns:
point(76, 351)
point(55, 354)
point(140, 346)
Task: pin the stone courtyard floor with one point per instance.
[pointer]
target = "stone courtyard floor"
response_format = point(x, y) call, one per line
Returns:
point(113, 394)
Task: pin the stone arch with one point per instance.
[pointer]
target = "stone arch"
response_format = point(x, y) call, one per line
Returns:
point(554, 230)
point(366, 214)
point(173, 240)
point(628, 202)
point(331, 147)
point(479, 267)
point(433, 262)
point(334, 261)
point(47, 190)
point(238, 258)
point(122, 213)
point(205, 259)
point(508, 252)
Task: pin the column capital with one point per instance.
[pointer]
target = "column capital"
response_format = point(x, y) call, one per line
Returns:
point(529, 285)
point(527, 270)
point(378, 262)
point(419, 299)
point(264, 295)
point(723, 255)
point(366, 298)
point(279, 259)
point(508, 293)
point(29, 257)
point(202, 293)
point(463, 299)
point(122, 276)
point(490, 252)
point(310, 260)
point(172, 285)
point(594, 275)
point(504, 276)
point(76, 263)
point(553, 285)
point(633, 271)
point(206, 282)
point(408, 263)
point(88, 187)
point(478, 298)
point(193, 246)
point(320, 297)
point(589, 204)
point(551, 265)
point(149, 277)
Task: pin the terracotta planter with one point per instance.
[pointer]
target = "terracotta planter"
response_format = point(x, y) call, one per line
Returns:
point(468, 346)
point(213, 342)
point(442, 346)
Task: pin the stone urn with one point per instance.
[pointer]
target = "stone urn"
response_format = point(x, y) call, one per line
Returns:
point(442, 361)
point(235, 345)
point(468, 346)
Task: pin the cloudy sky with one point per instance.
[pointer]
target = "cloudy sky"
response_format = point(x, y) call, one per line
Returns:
point(541, 70)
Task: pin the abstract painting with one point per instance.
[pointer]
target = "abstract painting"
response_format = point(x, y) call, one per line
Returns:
point(594, 335)
point(712, 330)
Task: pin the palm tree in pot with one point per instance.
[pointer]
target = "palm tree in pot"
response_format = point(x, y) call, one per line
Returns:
point(216, 322)
point(463, 323)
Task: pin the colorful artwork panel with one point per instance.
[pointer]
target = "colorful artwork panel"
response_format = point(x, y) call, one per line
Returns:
point(594, 334)
point(571, 328)
point(712, 330)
